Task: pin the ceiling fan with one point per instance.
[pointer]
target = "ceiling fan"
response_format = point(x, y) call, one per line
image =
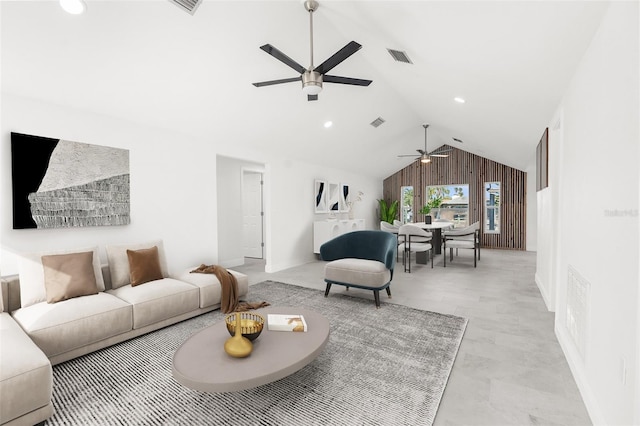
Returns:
point(425, 156)
point(312, 78)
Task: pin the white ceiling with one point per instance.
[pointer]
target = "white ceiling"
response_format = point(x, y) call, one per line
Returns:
point(150, 62)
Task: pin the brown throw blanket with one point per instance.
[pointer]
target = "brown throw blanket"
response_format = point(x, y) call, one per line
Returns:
point(229, 300)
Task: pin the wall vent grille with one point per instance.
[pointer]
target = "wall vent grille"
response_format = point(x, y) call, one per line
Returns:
point(377, 122)
point(457, 140)
point(399, 56)
point(578, 294)
point(188, 6)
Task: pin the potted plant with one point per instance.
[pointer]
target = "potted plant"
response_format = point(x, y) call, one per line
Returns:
point(388, 212)
point(433, 203)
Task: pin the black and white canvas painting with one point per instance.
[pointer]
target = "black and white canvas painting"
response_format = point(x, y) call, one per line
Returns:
point(62, 184)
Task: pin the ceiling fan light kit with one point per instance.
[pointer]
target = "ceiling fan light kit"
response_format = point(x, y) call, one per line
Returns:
point(311, 82)
point(313, 78)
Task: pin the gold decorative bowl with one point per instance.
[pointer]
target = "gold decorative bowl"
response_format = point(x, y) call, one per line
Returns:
point(251, 323)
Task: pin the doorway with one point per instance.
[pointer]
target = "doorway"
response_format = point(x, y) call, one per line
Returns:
point(252, 214)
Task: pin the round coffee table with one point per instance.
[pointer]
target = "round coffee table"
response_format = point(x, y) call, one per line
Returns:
point(201, 363)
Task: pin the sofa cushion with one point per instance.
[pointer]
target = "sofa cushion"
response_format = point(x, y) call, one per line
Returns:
point(209, 286)
point(362, 272)
point(31, 271)
point(158, 300)
point(69, 275)
point(26, 379)
point(144, 265)
point(119, 261)
point(60, 327)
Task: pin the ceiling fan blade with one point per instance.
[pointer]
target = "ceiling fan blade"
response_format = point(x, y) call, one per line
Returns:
point(283, 58)
point(439, 155)
point(409, 155)
point(272, 82)
point(312, 97)
point(342, 54)
point(345, 80)
point(422, 152)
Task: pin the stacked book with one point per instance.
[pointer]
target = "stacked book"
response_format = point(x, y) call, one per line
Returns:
point(286, 322)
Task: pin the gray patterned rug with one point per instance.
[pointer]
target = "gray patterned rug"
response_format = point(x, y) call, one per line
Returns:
point(386, 366)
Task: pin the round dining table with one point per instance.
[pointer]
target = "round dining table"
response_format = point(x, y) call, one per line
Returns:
point(436, 228)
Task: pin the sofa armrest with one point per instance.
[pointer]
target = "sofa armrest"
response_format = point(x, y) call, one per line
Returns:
point(10, 293)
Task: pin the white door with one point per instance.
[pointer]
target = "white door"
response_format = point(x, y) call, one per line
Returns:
point(252, 214)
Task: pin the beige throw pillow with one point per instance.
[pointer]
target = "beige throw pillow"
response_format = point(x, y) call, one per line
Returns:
point(32, 288)
point(69, 275)
point(119, 261)
point(144, 265)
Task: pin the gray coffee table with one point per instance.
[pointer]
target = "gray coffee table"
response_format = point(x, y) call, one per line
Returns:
point(201, 363)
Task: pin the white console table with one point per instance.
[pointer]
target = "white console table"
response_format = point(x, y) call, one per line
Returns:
point(325, 230)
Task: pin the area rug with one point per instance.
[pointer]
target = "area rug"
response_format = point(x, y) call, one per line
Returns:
point(386, 366)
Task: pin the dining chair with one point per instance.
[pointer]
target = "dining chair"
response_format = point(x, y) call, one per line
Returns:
point(387, 227)
point(465, 238)
point(414, 239)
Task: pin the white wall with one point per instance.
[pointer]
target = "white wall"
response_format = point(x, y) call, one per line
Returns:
point(174, 191)
point(596, 232)
point(167, 186)
point(532, 214)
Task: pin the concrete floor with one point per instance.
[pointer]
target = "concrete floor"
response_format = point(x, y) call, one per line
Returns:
point(510, 369)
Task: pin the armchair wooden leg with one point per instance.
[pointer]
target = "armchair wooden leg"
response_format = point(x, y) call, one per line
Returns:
point(376, 296)
point(389, 292)
point(326, 292)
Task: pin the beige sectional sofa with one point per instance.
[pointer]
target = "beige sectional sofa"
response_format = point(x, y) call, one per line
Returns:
point(37, 334)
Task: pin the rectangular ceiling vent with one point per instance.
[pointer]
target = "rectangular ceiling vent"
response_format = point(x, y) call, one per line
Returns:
point(399, 56)
point(377, 122)
point(457, 140)
point(188, 6)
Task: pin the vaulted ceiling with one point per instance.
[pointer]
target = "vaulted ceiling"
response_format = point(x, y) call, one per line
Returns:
point(150, 62)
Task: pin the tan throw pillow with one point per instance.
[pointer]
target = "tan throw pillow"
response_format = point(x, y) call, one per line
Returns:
point(144, 265)
point(69, 275)
point(32, 289)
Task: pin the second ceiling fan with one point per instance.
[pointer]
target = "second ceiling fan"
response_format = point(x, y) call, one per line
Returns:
point(312, 78)
point(425, 156)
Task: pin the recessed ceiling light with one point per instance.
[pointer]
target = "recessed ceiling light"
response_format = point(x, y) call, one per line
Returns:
point(328, 124)
point(74, 7)
point(459, 100)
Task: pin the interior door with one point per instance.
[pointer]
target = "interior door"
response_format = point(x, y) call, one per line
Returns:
point(253, 243)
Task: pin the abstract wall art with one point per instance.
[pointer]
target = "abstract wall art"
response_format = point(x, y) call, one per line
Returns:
point(61, 184)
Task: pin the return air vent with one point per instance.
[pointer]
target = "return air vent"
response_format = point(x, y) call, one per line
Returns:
point(377, 122)
point(188, 6)
point(399, 56)
point(577, 314)
point(457, 140)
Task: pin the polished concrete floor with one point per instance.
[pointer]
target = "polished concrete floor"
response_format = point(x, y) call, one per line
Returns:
point(510, 369)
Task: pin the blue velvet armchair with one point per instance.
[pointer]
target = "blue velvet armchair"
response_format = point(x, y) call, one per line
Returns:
point(361, 259)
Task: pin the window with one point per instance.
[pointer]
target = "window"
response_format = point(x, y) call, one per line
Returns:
point(406, 195)
point(492, 207)
point(449, 202)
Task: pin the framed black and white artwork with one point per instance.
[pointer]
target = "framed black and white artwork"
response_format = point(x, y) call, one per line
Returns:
point(61, 184)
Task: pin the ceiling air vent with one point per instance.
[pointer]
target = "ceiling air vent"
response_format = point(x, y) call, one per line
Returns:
point(188, 6)
point(457, 140)
point(399, 56)
point(377, 122)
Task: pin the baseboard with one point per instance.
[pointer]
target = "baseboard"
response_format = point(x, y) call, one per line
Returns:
point(544, 294)
point(575, 365)
point(230, 263)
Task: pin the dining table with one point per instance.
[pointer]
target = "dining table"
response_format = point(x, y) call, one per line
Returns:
point(436, 229)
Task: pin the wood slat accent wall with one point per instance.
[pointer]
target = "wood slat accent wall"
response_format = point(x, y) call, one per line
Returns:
point(462, 167)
